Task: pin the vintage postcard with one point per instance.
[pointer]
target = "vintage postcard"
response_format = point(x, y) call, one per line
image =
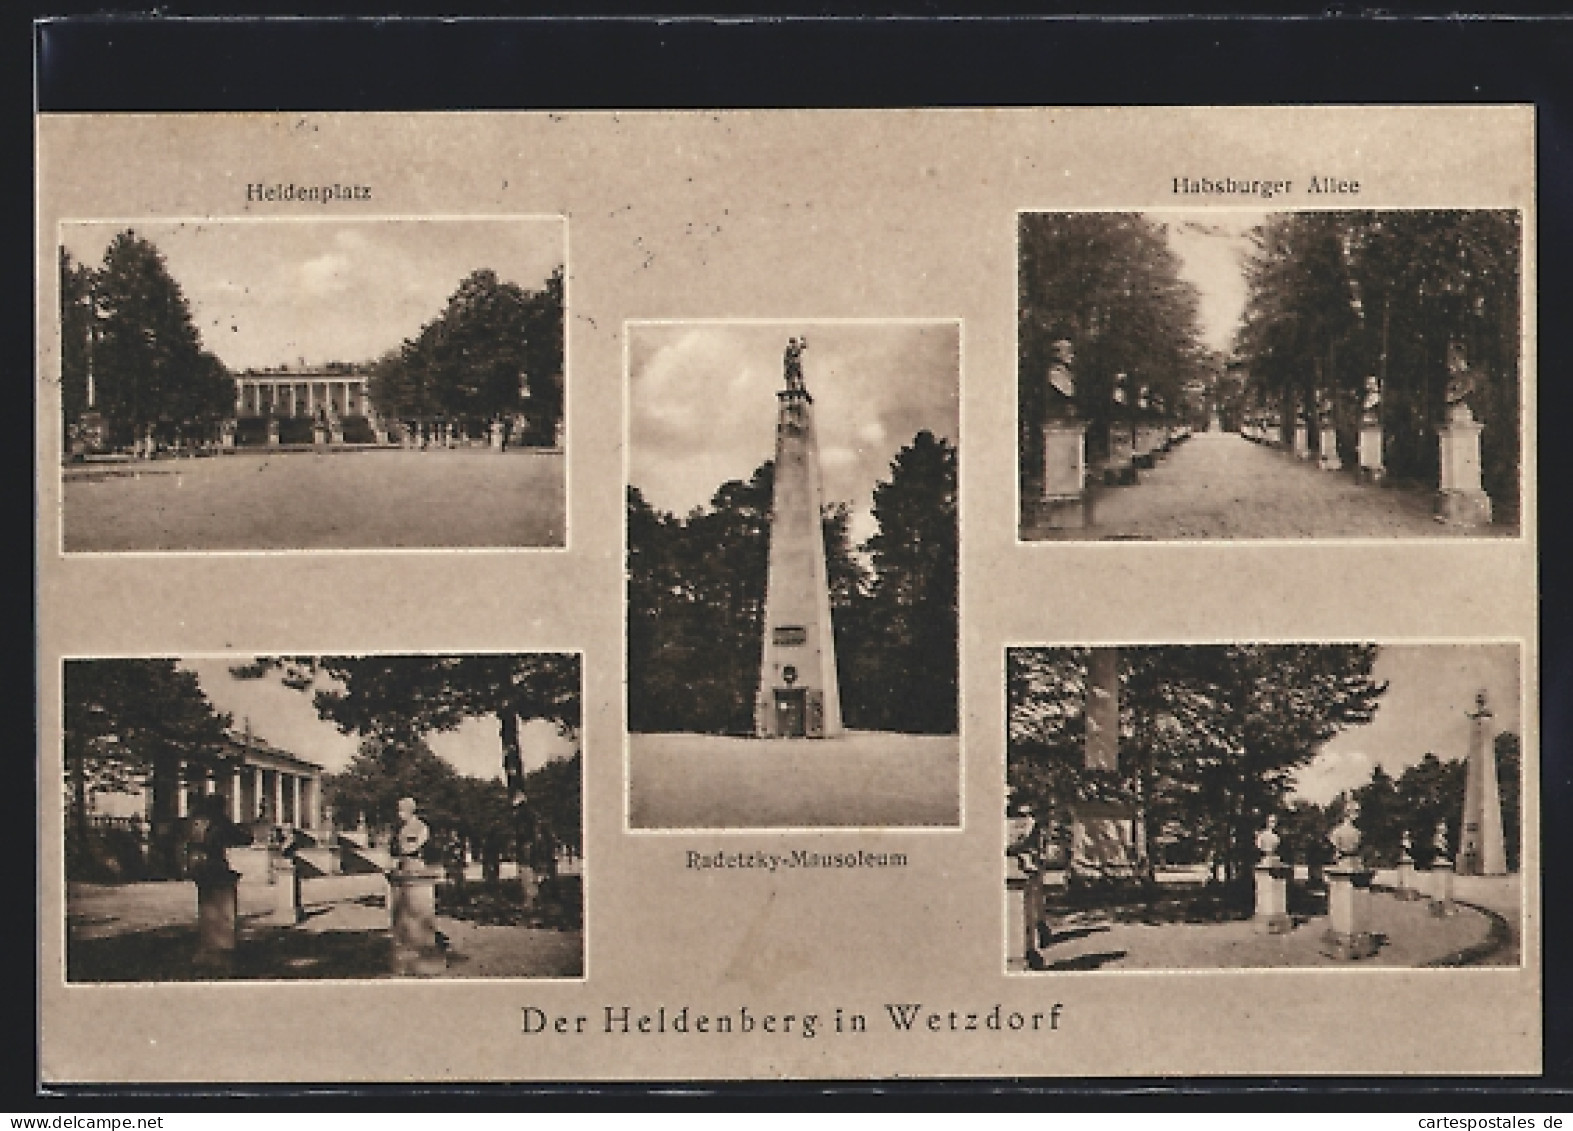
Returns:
point(763, 595)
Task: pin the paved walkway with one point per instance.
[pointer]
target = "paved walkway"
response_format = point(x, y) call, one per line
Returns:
point(147, 932)
point(1221, 485)
point(1172, 935)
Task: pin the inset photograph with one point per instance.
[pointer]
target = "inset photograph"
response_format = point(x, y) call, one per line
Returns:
point(1188, 807)
point(329, 817)
point(1277, 375)
point(233, 385)
point(792, 574)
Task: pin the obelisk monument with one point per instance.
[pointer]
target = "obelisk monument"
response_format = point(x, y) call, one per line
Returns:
point(798, 694)
point(1481, 849)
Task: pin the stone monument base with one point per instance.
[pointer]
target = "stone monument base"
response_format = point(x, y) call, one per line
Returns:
point(218, 918)
point(1328, 455)
point(1348, 946)
point(412, 919)
point(1405, 887)
point(1463, 507)
point(1272, 899)
point(1059, 512)
point(1348, 888)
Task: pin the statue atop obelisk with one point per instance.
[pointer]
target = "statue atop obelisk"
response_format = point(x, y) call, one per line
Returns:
point(1481, 849)
point(798, 694)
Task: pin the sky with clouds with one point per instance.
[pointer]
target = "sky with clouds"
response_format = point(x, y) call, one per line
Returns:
point(702, 405)
point(1212, 247)
point(1431, 690)
point(266, 293)
point(286, 719)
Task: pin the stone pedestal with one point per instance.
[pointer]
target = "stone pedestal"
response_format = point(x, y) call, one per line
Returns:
point(319, 436)
point(1063, 503)
point(1119, 470)
point(218, 916)
point(1142, 454)
point(496, 436)
point(1347, 936)
point(1328, 456)
point(1460, 500)
point(1441, 886)
point(273, 433)
point(412, 920)
point(1272, 898)
point(288, 908)
point(1372, 469)
point(1302, 442)
point(1024, 912)
point(1404, 886)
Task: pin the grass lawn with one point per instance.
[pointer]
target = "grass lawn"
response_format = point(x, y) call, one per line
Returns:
point(340, 500)
point(863, 779)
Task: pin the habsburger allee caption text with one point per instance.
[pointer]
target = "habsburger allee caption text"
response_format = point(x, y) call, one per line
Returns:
point(797, 858)
point(1266, 189)
point(685, 1020)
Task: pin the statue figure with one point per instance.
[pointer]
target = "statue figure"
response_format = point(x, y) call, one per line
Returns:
point(1460, 377)
point(1267, 840)
point(1062, 382)
point(1439, 840)
point(792, 362)
point(1346, 837)
point(209, 836)
point(1371, 402)
point(410, 837)
point(1119, 388)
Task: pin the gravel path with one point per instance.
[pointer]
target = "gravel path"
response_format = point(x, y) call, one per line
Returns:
point(317, 500)
point(860, 779)
point(1220, 485)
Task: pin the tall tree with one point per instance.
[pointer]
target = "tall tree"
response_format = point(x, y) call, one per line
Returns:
point(495, 350)
point(76, 338)
point(1335, 297)
point(137, 722)
point(1110, 285)
point(906, 679)
point(149, 368)
point(1210, 735)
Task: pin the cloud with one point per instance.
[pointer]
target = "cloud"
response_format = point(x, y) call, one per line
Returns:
point(1331, 772)
point(326, 274)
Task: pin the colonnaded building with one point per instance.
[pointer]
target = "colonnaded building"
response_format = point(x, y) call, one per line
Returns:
point(273, 794)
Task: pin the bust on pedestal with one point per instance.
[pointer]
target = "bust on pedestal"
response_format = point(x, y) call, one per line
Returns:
point(1441, 874)
point(1372, 468)
point(1348, 884)
point(412, 898)
point(1302, 437)
point(1327, 444)
point(1025, 846)
point(1272, 883)
point(1460, 501)
point(210, 836)
point(1404, 888)
point(1062, 503)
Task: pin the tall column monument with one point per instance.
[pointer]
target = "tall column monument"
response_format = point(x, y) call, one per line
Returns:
point(798, 694)
point(1481, 850)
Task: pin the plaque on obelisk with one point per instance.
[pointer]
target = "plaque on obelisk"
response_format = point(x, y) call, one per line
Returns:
point(798, 694)
point(1481, 849)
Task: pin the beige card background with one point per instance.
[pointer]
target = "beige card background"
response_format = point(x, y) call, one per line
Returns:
point(807, 215)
